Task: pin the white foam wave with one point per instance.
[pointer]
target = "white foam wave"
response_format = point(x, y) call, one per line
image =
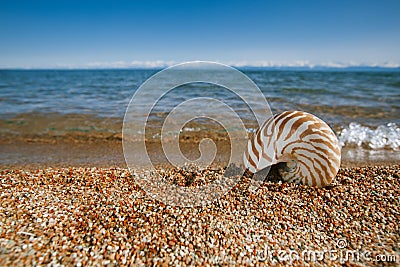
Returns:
point(383, 137)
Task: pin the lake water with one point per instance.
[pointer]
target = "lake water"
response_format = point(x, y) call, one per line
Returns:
point(363, 107)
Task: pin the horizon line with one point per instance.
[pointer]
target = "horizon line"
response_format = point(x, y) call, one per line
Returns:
point(361, 67)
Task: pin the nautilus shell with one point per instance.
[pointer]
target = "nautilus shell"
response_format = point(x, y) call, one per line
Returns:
point(305, 147)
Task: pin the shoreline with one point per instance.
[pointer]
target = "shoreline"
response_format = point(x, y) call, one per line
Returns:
point(80, 150)
point(61, 140)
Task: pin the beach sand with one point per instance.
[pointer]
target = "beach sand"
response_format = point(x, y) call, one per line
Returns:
point(71, 201)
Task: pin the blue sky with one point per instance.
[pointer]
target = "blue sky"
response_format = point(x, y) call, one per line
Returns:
point(145, 33)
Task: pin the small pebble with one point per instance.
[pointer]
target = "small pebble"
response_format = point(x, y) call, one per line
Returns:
point(100, 216)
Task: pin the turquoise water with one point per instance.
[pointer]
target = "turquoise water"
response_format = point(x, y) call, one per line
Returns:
point(342, 97)
point(355, 103)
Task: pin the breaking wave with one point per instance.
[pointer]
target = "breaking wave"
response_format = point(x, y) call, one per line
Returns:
point(383, 137)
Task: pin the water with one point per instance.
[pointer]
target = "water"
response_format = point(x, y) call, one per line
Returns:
point(363, 107)
point(98, 92)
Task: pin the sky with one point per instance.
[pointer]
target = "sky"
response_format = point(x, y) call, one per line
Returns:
point(96, 33)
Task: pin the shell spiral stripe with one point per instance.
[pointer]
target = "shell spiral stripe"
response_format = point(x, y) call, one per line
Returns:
point(304, 142)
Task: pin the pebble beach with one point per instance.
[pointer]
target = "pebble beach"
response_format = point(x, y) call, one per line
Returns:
point(79, 216)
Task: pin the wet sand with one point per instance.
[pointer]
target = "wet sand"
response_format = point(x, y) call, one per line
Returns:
point(57, 140)
point(107, 151)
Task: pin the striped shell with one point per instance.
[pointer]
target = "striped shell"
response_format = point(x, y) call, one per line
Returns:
point(305, 146)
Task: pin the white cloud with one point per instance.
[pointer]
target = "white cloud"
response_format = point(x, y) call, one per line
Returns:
point(260, 63)
point(131, 64)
